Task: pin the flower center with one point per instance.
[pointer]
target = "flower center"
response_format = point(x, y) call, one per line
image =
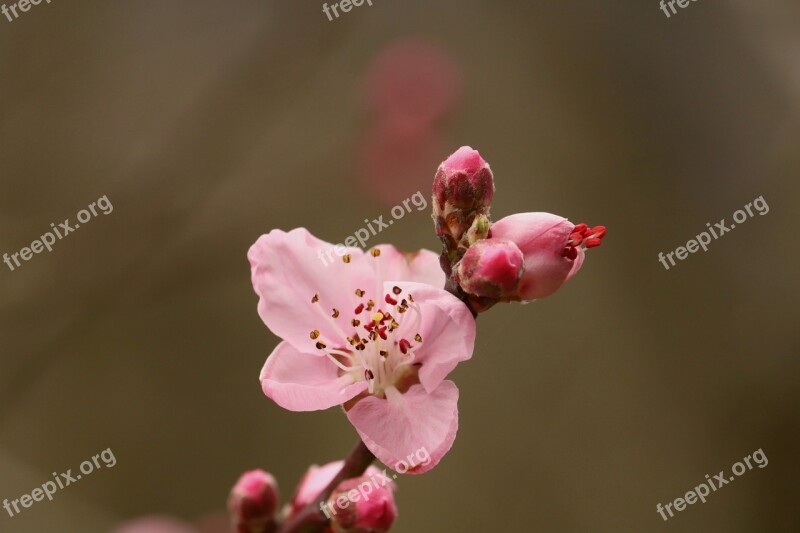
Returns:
point(585, 236)
point(374, 351)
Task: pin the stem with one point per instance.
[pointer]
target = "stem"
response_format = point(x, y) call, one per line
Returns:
point(311, 519)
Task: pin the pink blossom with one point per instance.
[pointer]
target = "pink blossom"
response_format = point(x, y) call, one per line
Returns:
point(317, 478)
point(363, 504)
point(552, 246)
point(371, 332)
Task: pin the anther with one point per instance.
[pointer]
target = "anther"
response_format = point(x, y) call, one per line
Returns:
point(315, 298)
point(359, 309)
point(355, 322)
point(404, 346)
point(346, 258)
point(396, 290)
point(375, 252)
point(418, 337)
point(389, 300)
point(321, 346)
point(359, 293)
point(335, 313)
point(314, 334)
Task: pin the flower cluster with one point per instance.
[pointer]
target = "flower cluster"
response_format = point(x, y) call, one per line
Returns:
point(378, 333)
point(521, 257)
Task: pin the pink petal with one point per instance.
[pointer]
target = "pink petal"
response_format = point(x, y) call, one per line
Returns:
point(421, 266)
point(447, 330)
point(317, 478)
point(303, 382)
point(401, 427)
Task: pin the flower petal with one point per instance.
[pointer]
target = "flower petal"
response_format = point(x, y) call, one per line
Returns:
point(421, 266)
point(447, 329)
point(401, 426)
point(303, 382)
point(288, 269)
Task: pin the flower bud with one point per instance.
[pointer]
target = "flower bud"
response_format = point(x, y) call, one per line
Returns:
point(464, 180)
point(491, 268)
point(463, 188)
point(253, 502)
point(553, 249)
point(362, 505)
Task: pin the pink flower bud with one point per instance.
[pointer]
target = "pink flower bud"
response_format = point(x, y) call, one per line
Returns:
point(491, 268)
point(253, 502)
point(362, 505)
point(464, 181)
point(552, 246)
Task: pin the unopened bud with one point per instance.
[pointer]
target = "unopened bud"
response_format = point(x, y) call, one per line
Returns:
point(253, 502)
point(362, 505)
point(463, 188)
point(491, 268)
point(553, 247)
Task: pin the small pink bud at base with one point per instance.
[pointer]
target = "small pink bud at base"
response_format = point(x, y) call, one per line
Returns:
point(491, 268)
point(362, 505)
point(253, 502)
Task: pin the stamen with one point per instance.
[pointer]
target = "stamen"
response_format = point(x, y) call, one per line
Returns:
point(375, 252)
point(359, 309)
point(396, 290)
point(346, 258)
point(335, 313)
point(355, 322)
point(359, 293)
point(315, 298)
point(404, 346)
point(314, 334)
point(321, 346)
point(389, 300)
point(418, 337)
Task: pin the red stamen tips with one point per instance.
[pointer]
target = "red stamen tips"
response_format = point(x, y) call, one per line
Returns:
point(572, 253)
point(370, 325)
point(591, 243)
point(598, 231)
point(581, 229)
point(382, 332)
point(404, 346)
point(390, 300)
point(359, 309)
point(368, 375)
point(396, 290)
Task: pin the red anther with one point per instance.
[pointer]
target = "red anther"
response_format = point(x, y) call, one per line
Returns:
point(598, 231)
point(368, 375)
point(382, 333)
point(370, 325)
point(359, 309)
point(404, 346)
point(573, 253)
point(591, 243)
point(575, 238)
point(581, 228)
point(390, 300)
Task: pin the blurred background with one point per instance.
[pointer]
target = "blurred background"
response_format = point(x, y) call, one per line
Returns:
point(207, 124)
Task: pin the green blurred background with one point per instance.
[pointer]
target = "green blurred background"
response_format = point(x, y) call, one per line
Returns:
point(209, 123)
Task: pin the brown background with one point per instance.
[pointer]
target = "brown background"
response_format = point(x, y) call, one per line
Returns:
point(209, 123)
